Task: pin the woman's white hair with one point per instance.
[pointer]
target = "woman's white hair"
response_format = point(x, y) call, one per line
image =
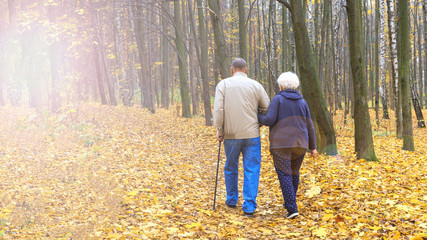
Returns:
point(288, 80)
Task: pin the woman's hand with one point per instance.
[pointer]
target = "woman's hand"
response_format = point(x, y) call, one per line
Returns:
point(314, 153)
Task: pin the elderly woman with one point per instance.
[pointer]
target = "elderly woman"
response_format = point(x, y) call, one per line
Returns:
point(291, 134)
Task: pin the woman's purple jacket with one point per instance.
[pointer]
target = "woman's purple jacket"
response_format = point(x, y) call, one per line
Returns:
point(290, 122)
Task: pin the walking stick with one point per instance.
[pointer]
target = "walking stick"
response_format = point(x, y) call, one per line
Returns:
point(217, 168)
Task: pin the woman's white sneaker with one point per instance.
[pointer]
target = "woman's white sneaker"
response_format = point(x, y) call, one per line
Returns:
point(292, 215)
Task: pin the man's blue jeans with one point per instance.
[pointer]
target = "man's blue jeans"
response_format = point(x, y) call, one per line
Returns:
point(251, 151)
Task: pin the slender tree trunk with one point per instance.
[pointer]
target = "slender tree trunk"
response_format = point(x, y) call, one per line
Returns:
point(413, 81)
point(382, 59)
point(259, 72)
point(100, 37)
point(203, 63)
point(404, 74)
point(336, 99)
point(425, 50)
point(275, 40)
point(420, 63)
point(323, 46)
point(394, 67)
point(377, 62)
point(146, 85)
point(221, 47)
point(99, 81)
point(417, 107)
point(242, 30)
point(266, 25)
point(317, 8)
point(165, 56)
point(151, 90)
point(182, 61)
point(310, 81)
point(285, 40)
point(364, 144)
point(124, 84)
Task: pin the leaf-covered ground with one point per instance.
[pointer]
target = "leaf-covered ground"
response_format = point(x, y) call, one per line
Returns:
point(122, 173)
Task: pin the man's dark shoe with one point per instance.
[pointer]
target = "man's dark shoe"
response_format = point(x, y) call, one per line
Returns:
point(230, 206)
point(249, 214)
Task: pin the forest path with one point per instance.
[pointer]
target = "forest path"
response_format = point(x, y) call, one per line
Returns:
point(120, 172)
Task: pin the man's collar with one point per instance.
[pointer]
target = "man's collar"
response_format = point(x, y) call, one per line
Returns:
point(240, 74)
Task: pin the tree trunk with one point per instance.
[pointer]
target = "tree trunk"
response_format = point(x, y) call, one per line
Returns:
point(221, 47)
point(146, 86)
point(99, 75)
point(425, 50)
point(394, 67)
point(165, 56)
point(364, 144)
point(285, 40)
point(242, 30)
point(420, 63)
point(275, 40)
point(382, 63)
point(417, 107)
point(310, 81)
point(259, 73)
point(413, 80)
point(203, 63)
point(182, 61)
point(377, 62)
point(404, 74)
point(100, 38)
point(337, 99)
point(123, 80)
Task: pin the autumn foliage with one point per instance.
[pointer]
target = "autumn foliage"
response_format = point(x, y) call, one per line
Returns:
point(105, 172)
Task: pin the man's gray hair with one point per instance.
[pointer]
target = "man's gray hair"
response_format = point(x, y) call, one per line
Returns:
point(238, 63)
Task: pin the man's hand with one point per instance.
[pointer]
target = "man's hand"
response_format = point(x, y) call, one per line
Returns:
point(314, 153)
point(220, 138)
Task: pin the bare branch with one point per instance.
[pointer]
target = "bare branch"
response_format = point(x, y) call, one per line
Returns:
point(288, 5)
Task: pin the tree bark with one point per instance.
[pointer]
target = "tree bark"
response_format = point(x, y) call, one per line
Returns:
point(285, 40)
point(364, 144)
point(123, 80)
point(377, 62)
point(420, 63)
point(275, 56)
point(382, 63)
point(100, 40)
point(99, 81)
point(221, 47)
point(182, 61)
point(165, 56)
point(310, 81)
point(203, 63)
point(404, 74)
point(242, 30)
point(417, 106)
point(394, 67)
point(146, 86)
point(425, 50)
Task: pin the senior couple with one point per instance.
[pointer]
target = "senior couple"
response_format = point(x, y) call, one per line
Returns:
point(241, 106)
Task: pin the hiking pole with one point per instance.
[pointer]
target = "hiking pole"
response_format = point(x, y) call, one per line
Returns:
point(217, 168)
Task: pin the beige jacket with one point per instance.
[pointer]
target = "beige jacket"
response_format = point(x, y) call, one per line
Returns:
point(237, 102)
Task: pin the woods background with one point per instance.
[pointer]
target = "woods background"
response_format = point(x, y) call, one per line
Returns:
point(162, 53)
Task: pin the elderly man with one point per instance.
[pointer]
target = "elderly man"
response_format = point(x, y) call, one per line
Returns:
point(237, 102)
